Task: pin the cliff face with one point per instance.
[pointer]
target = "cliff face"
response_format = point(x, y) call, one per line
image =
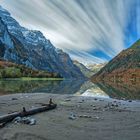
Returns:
point(32, 49)
point(124, 67)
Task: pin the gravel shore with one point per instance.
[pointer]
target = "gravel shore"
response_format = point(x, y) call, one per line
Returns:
point(75, 118)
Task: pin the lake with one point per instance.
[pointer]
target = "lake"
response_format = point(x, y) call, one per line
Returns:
point(75, 87)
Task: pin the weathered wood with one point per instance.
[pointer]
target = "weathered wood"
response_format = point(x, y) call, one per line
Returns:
point(10, 117)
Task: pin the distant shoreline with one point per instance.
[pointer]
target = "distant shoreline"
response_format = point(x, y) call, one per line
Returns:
point(32, 78)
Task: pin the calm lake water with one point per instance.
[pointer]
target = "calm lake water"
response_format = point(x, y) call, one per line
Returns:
point(81, 88)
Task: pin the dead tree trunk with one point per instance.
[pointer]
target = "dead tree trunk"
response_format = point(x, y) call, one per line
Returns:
point(9, 117)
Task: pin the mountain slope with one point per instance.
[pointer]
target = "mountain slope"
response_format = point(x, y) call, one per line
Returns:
point(95, 67)
point(86, 72)
point(31, 48)
point(125, 66)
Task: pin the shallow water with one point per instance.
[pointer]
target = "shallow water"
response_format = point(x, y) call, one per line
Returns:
point(76, 87)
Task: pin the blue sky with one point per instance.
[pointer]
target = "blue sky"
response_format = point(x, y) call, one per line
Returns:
point(92, 31)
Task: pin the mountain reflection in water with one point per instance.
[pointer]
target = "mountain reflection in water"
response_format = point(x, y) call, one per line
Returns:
point(40, 86)
point(75, 87)
point(121, 90)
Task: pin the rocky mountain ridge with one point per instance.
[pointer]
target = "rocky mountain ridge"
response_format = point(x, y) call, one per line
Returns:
point(32, 49)
point(88, 70)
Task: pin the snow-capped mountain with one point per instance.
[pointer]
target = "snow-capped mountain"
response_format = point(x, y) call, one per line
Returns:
point(31, 48)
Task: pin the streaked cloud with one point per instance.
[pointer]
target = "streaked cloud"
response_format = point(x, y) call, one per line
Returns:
point(85, 57)
point(81, 27)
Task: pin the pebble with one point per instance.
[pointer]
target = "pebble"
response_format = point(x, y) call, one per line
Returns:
point(14, 99)
point(130, 101)
point(25, 120)
point(85, 116)
point(72, 116)
point(68, 100)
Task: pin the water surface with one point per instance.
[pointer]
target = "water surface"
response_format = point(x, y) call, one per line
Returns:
point(75, 87)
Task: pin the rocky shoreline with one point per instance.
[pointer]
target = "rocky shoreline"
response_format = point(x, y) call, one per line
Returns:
point(76, 117)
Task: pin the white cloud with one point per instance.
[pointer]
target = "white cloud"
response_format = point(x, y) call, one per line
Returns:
point(79, 25)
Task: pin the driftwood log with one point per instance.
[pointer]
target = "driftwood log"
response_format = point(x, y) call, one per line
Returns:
point(9, 117)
